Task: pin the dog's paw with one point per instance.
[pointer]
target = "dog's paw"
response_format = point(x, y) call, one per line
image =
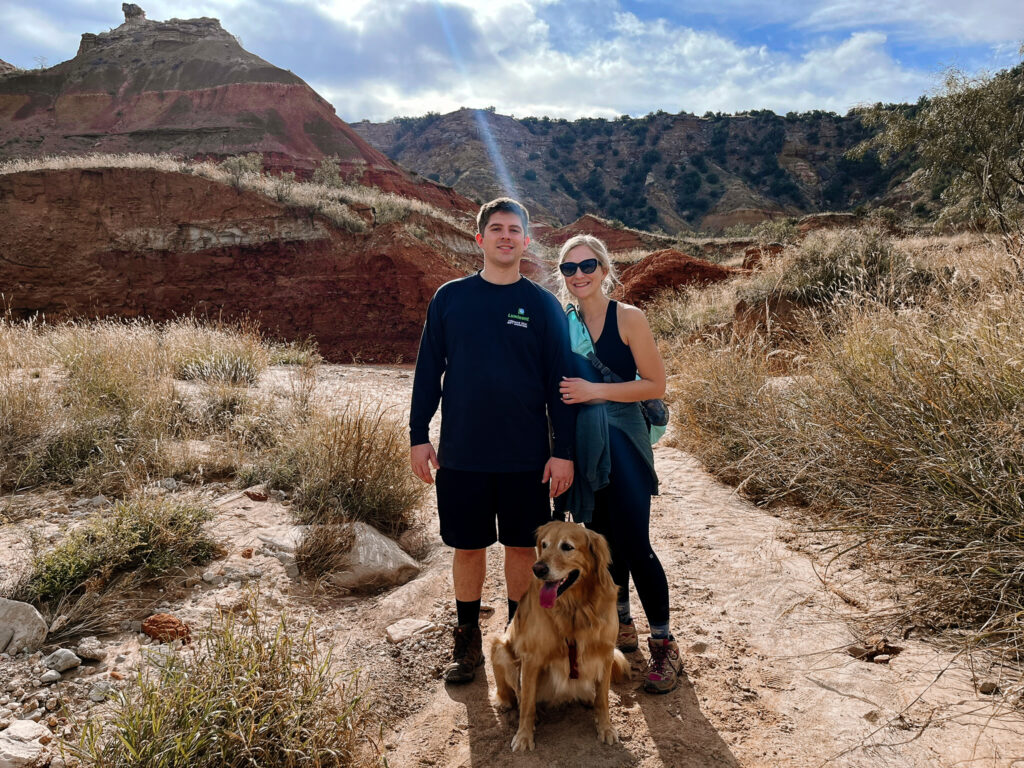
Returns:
point(505, 703)
point(607, 734)
point(523, 741)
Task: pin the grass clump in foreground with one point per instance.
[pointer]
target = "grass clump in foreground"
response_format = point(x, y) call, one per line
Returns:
point(252, 692)
point(900, 424)
point(145, 536)
point(345, 466)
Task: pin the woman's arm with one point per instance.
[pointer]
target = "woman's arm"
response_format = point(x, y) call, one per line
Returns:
point(636, 332)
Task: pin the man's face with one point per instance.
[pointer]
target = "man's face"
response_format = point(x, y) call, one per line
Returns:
point(503, 240)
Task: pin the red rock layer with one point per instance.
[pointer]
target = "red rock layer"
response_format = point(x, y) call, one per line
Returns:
point(667, 269)
point(615, 239)
point(141, 243)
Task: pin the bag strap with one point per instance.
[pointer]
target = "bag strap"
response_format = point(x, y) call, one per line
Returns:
point(583, 345)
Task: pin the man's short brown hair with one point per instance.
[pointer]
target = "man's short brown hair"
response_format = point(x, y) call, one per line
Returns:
point(505, 205)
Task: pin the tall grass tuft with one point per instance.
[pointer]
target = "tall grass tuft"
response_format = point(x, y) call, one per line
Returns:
point(253, 692)
point(345, 466)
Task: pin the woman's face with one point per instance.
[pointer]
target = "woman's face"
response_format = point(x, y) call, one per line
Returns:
point(580, 284)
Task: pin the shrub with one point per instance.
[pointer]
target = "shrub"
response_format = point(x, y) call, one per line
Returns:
point(239, 167)
point(145, 535)
point(253, 692)
point(212, 354)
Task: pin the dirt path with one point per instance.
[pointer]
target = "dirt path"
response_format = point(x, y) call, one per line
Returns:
point(769, 681)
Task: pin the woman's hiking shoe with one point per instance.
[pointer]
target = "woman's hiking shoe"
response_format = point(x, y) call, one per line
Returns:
point(665, 666)
point(467, 655)
point(628, 640)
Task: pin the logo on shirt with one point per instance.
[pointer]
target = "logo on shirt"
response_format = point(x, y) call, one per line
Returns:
point(519, 319)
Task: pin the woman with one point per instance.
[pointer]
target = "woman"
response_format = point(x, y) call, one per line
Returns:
point(615, 478)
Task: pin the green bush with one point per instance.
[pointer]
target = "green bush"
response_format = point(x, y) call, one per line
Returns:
point(144, 535)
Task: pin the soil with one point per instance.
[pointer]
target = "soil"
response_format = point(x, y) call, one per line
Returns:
point(765, 628)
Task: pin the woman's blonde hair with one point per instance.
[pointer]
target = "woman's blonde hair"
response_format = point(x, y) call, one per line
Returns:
point(600, 250)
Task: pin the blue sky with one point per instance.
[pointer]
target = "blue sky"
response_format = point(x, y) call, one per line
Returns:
point(377, 59)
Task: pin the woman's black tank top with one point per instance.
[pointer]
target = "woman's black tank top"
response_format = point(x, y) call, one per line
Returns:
point(610, 348)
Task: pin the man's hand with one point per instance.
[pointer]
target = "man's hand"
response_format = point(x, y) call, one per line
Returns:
point(559, 472)
point(422, 457)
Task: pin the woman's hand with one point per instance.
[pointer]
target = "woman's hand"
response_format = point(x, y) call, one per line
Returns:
point(575, 391)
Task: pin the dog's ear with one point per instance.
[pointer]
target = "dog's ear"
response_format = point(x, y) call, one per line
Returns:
point(599, 549)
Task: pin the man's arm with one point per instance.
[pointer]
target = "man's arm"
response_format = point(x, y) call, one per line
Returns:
point(559, 468)
point(426, 392)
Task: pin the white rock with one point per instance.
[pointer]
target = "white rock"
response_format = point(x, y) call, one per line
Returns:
point(100, 691)
point(282, 538)
point(49, 676)
point(19, 743)
point(374, 561)
point(402, 630)
point(61, 660)
point(91, 648)
point(21, 627)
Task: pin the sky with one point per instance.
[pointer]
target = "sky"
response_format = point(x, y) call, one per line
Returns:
point(378, 59)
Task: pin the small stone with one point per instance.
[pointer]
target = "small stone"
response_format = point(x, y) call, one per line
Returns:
point(61, 660)
point(698, 647)
point(882, 658)
point(988, 687)
point(99, 501)
point(52, 704)
point(120, 658)
point(247, 552)
point(50, 676)
point(858, 652)
point(169, 483)
point(99, 692)
point(256, 494)
point(213, 578)
point(403, 629)
point(163, 628)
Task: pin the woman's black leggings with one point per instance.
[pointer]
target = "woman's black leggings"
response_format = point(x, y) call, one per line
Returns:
point(622, 514)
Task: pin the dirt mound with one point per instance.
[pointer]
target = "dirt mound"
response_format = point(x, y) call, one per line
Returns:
point(616, 238)
point(670, 268)
point(756, 255)
point(144, 243)
point(186, 87)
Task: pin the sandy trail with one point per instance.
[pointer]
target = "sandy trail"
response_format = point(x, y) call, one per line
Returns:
point(768, 681)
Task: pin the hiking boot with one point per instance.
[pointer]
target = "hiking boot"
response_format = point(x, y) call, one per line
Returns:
point(467, 655)
point(663, 671)
point(627, 641)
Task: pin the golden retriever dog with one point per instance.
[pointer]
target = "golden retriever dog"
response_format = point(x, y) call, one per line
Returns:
point(560, 646)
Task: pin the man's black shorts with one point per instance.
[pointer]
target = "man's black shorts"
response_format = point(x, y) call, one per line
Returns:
point(469, 503)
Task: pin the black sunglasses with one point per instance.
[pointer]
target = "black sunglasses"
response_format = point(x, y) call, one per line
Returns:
point(587, 267)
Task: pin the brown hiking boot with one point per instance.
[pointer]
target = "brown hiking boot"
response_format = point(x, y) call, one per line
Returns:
point(467, 655)
point(628, 641)
point(663, 671)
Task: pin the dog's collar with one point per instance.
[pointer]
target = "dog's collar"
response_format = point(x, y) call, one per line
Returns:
point(574, 667)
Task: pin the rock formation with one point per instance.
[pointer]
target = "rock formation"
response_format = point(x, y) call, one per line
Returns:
point(668, 269)
point(144, 243)
point(617, 239)
point(187, 87)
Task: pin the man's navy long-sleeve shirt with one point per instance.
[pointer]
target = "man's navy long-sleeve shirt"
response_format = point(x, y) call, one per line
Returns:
point(502, 350)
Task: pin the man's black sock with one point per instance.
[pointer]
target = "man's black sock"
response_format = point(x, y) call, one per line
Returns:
point(512, 605)
point(468, 612)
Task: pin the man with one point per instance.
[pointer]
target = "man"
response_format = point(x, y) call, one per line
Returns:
point(501, 343)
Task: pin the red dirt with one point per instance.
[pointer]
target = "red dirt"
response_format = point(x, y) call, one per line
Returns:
point(663, 270)
point(142, 243)
point(614, 238)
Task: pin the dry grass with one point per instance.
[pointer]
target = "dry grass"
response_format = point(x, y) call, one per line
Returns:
point(898, 420)
point(333, 199)
point(253, 692)
point(96, 405)
point(345, 466)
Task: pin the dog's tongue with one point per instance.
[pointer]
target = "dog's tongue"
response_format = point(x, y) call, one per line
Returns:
point(548, 594)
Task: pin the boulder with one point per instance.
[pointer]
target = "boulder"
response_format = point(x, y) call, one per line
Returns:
point(61, 660)
point(667, 269)
point(21, 627)
point(20, 743)
point(374, 562)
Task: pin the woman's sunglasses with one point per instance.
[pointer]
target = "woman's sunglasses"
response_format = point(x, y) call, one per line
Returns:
point(587, 267)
